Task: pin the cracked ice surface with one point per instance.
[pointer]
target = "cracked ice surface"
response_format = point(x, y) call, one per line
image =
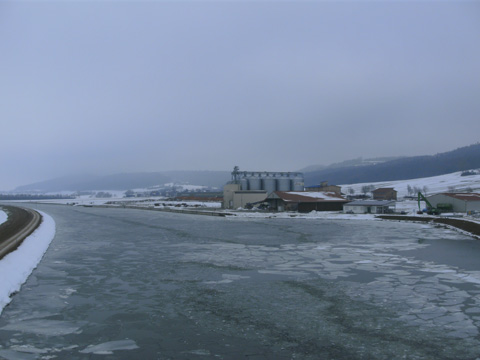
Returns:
point(422, 293)
point(130, 284)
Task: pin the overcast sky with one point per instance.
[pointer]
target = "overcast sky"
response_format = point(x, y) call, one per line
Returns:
point(105, 87)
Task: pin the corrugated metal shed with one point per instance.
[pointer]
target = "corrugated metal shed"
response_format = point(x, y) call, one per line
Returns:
point(461, 202)
point(305, 201)
point(465, 196)
point(369, 207)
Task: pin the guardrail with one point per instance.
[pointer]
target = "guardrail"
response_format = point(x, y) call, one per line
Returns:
point(14, 241)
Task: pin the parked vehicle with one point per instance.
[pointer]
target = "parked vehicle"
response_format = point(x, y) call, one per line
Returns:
point(430, 209)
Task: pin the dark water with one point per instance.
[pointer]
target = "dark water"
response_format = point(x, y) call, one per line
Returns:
point(132, 284)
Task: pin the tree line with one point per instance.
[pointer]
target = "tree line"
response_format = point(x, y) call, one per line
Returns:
point(33, 197)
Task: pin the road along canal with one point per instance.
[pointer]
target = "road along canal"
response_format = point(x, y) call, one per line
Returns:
point(21, 223)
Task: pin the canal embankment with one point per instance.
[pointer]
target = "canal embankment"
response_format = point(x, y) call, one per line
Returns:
point(21, 222)
point(470, 227)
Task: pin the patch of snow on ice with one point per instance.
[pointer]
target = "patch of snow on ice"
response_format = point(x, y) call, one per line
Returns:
point(20, 263)
point(107, 348)
point(45, 327)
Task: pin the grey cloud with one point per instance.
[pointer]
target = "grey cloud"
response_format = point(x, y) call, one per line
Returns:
point(100, 87)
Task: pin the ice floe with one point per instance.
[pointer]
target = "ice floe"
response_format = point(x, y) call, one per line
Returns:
point(107, 348)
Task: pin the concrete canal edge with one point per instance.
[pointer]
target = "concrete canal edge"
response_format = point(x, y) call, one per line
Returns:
point(177, 211)
point(20, 224)
point(470, 227)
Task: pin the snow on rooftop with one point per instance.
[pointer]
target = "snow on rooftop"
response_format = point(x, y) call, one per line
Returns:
point(20, 263)
point(331, 196)
point(465, 196)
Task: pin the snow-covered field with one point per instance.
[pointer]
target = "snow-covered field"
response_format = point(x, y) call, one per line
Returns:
point(433, 185)
point(20, 263)
point(313, 215)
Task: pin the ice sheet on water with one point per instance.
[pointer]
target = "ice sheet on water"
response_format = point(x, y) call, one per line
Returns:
point(14, 355)
point(44, 327)
point(109, 347)
point(29, 349)
point(469, 278)
point(234, 277)
point(227, 279)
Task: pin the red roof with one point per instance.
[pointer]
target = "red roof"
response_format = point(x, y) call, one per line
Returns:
point(311, 197)
point(465, 196)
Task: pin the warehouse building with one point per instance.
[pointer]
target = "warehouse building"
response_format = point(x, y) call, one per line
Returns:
point(460, 202)
point(234, 197)
point(369, 207)
point(305, 201)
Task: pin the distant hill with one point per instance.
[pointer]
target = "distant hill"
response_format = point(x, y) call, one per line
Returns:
point(127, 181)
point(464, 158)
point(353, 162)
point(347, 172)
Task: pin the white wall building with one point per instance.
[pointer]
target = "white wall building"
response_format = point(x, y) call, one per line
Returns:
point(461, 202)
point(234, 197)
point(369, 207)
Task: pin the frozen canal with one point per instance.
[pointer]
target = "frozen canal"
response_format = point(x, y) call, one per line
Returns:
point(133, 284)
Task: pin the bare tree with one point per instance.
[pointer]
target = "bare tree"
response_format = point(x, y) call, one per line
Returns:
point(425, 189)
point(451, 189)
point(409, 189)
point(365, 189)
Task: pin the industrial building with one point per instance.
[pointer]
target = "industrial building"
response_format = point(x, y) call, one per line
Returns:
point(324, 187)
point(384, 194)
point(247, 187)
point(234, 197)
point(369, 207)
point(460, 202)
point(305, 201)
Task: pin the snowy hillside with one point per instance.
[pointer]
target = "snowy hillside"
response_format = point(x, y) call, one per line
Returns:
point(433, 185)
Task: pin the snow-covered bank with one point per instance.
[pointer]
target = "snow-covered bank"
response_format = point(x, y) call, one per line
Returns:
point(323, 215)
point(3, 217)
point(435, 184)
point(17, 266)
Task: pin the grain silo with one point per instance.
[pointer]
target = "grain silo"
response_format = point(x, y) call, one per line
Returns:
point(269, 183)
point(283, 182)
point(255, 182)
point(298, 182)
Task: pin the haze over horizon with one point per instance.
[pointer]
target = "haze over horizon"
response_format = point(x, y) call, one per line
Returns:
point(102, 87)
